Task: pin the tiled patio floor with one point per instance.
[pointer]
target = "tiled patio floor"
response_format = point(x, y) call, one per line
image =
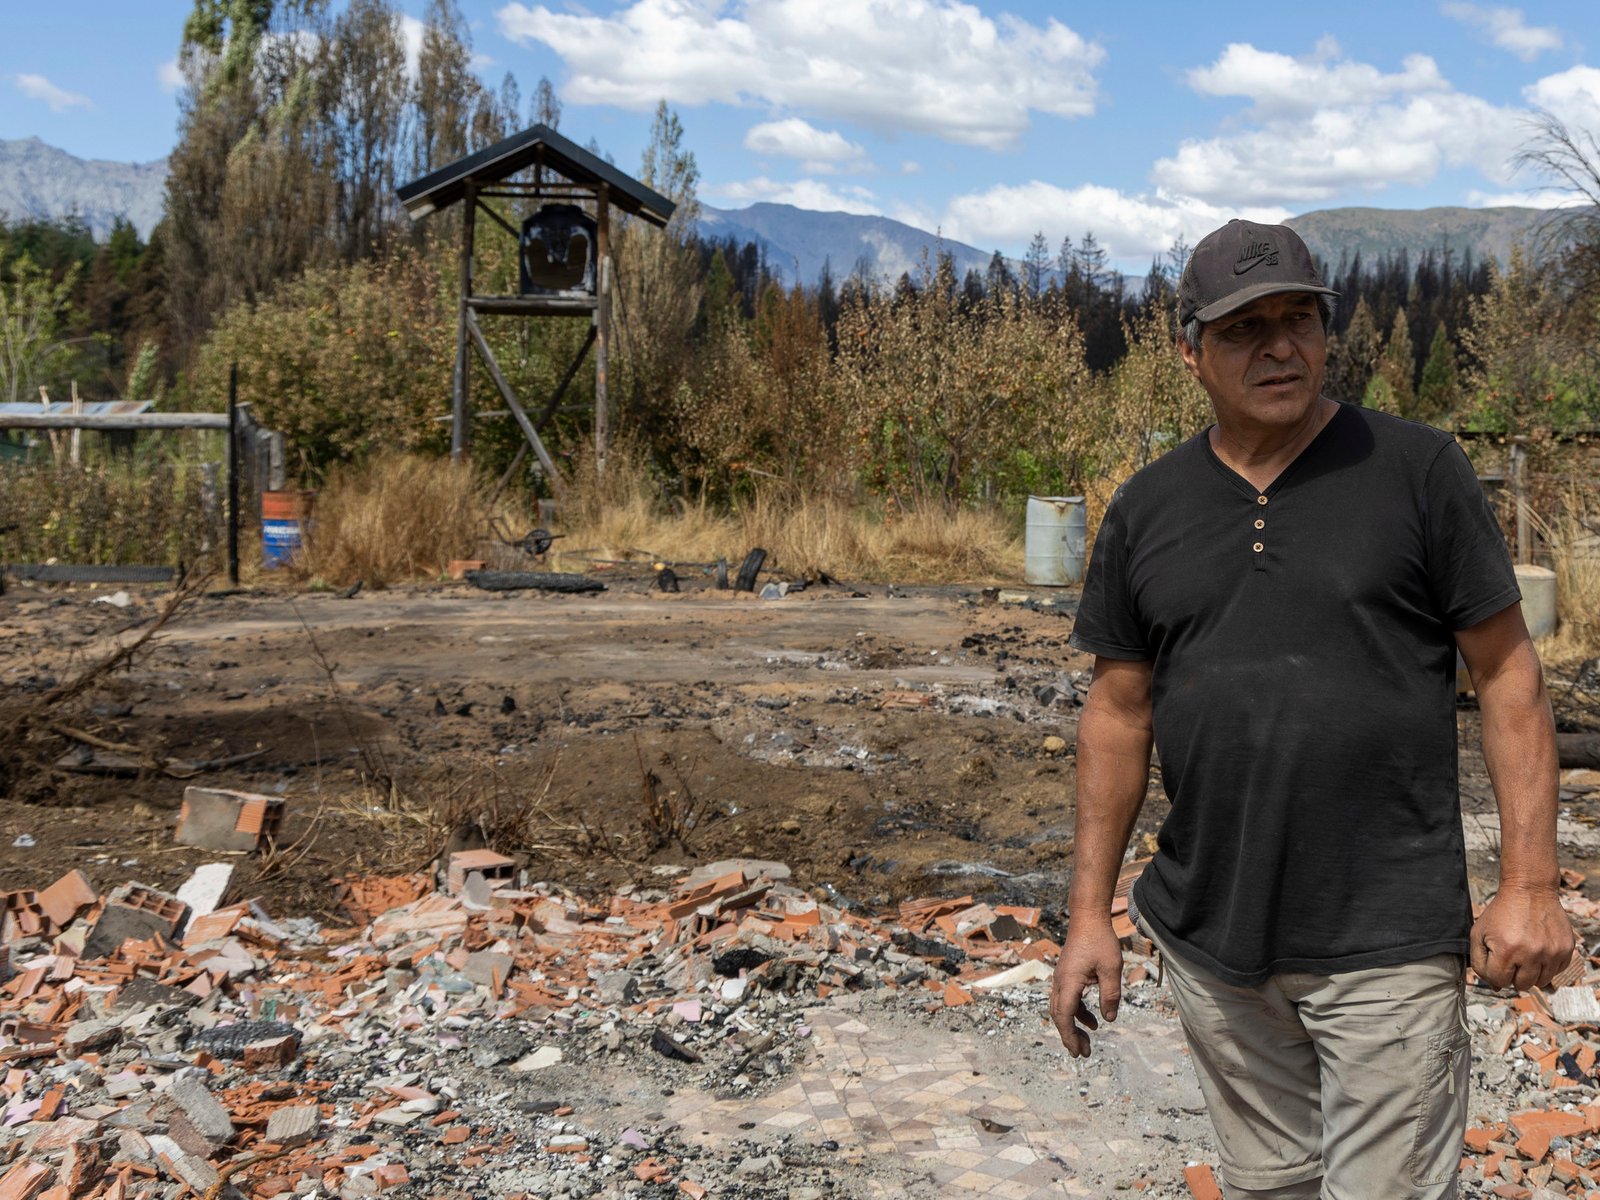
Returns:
point(921, 1096)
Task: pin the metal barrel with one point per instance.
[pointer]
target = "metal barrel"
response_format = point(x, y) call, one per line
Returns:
point(1538, 586)
point(1053, 547)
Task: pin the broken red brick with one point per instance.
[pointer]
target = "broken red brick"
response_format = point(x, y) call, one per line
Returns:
point(24, 1181)
point(651, 1171)
point(391, 1175)
point(1202, 1182)
point(497, 869)
point(67, 897)
point(223, 819)
point(1478, 1137)
point(955, 995)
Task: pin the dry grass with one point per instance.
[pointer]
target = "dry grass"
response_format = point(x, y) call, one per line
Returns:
point(394, 517)
point(1573, 535)
point(402, 516)
point(802, 534)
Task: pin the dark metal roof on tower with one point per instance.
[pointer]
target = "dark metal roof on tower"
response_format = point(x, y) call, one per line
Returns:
point(534, 146)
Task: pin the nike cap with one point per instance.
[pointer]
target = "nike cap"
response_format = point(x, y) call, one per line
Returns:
point(1240, 263)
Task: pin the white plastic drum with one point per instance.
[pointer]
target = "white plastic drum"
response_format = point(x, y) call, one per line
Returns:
point(1053, 546)
point(1538, 586)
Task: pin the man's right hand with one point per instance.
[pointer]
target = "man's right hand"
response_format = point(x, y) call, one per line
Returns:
point(1092, 957)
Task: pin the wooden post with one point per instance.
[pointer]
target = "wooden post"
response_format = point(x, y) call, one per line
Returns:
point(557, 484)
point(210, 508)
point(461, 424)
point(262, 460)
point(602, 325)
point(1519, 491)
point(77, 434)
point(233, 475)
point(277, 464)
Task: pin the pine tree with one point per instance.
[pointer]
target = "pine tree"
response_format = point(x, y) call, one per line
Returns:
point(998, 280)
point(720, 308)
point(1440, 390)
point(972, 292)
point(1036, 266)
point(1353, 357)
point(1390, 388)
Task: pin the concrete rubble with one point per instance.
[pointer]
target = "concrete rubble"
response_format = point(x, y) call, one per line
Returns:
point(419, 1050)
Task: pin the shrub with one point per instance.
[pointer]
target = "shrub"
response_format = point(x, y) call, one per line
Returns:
point(142, 510)
point(346, 361)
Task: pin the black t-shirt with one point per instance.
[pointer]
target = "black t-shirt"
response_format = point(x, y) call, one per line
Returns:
point(1304, 691)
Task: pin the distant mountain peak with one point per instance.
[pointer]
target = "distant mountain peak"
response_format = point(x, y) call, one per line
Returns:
point(797, 241)
point(40, 181)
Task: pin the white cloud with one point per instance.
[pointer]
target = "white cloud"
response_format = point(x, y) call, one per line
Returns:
point(37, 87)
point(1573, 95)
point(169, 76)
point(1281, 84)
point(1130, 228)
point(1322, 126)
point(412, 31)
point(802, 193)
point(822, 151)
point(1506, 28)
point(910, 167)
point(927, 66)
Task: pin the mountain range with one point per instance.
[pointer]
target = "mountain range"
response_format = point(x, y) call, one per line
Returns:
point(38, 180)
point(797, 241)
point(1375, 232)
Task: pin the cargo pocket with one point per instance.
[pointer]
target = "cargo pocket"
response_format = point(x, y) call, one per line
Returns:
point(1446, 1073)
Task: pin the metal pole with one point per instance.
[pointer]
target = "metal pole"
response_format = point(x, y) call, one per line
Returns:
point(1519, 489)
point(602, 326)
point(233, 475)
point(116, 421)
point(460, 429)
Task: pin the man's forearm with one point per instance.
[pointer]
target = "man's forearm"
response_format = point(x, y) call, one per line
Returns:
point(1519, 748)
point(1113, 769)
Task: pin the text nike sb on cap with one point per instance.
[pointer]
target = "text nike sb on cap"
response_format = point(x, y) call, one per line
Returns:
point(1242, 262)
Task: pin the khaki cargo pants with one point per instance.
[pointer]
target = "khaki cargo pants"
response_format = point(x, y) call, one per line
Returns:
point(1331, 1087)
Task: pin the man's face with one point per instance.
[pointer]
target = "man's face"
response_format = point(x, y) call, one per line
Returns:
point(1262, 365)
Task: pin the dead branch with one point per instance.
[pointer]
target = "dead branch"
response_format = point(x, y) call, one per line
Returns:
point(21, 753)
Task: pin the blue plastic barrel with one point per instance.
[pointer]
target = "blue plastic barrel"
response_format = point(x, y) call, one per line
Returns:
point(283, 516)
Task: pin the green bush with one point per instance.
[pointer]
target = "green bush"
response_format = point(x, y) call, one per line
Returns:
point(343, 360)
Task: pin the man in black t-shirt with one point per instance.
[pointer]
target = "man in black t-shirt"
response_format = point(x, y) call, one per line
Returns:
point(1276, 605)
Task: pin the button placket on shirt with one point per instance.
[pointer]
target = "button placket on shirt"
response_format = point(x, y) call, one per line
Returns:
point(1259, 547)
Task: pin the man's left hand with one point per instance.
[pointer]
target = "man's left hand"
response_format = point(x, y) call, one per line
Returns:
point(1523, 939)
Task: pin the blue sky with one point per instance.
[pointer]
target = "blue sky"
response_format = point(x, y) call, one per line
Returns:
point(989, 120)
